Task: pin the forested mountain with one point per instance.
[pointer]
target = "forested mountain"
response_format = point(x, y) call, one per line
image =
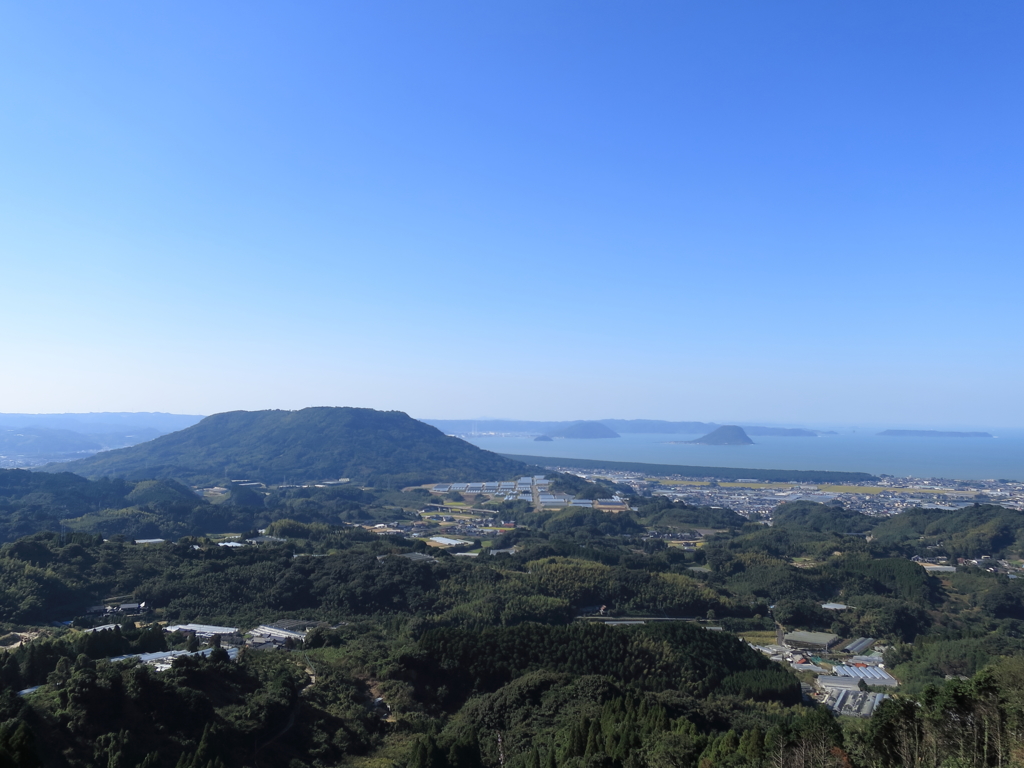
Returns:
point(31, 502)
point(823, 518)
point(40, 501)
point(314, 444)
point(975, 531)
point(659, 512)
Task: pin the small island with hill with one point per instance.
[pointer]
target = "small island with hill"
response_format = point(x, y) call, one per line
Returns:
point(728, 435)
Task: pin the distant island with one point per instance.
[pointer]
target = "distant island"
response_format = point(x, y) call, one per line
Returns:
point(729, 435)
point(930, 433)
point(584, 430)
point(619, 426)
point(544, 439)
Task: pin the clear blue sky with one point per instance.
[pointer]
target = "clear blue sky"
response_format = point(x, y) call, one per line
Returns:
point(804, 212)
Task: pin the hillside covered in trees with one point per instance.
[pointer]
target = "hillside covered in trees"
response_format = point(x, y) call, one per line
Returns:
point(31, 502)
point(311, 445)
point(479, 663)
point(494, 661)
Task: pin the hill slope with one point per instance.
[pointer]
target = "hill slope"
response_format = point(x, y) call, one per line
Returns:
point(983, 529)
point(823, 518)
point(314, 444)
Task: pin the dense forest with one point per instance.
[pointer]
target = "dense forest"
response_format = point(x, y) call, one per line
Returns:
point(479, 661)
point(495, 660)
point(37, 501)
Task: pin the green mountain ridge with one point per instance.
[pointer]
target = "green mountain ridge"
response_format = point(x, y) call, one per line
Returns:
point(383, 448)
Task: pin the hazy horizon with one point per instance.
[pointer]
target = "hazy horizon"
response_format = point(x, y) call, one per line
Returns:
point(826, 425)
point(791, 214)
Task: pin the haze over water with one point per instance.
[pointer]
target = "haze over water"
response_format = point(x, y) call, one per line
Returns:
point(956, 458)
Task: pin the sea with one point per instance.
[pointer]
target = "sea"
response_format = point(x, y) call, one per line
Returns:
point(957, 458)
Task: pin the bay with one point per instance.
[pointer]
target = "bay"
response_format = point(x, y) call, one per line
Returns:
point(959, 458)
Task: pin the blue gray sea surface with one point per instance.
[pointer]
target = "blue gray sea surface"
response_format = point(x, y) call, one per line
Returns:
point(1001, 457)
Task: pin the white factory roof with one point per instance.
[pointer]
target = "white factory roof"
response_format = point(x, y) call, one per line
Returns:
point(202, 629)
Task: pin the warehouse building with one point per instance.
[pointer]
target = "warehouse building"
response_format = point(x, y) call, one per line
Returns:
point(819, 641)
point(859, 645)
point(854, 703)
point(870, 675)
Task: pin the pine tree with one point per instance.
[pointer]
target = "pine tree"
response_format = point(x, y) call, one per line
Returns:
point(576, 745)
point(20, 747)
point(418, 758)
point(426, 754)
point(593, 740)
point(10, 673)
point(752, 745)
point(465, 754)
point(550, 762)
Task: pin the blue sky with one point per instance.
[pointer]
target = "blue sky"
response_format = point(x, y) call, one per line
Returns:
point(780, 212)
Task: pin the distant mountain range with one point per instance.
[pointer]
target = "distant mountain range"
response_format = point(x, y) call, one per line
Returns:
point(930, 433)
point(99, 423)
point(618, 426)
point(381, 448)
point(28, 439)
point(42, 441)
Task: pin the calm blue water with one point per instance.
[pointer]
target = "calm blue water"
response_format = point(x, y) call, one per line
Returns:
point(956, 458)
